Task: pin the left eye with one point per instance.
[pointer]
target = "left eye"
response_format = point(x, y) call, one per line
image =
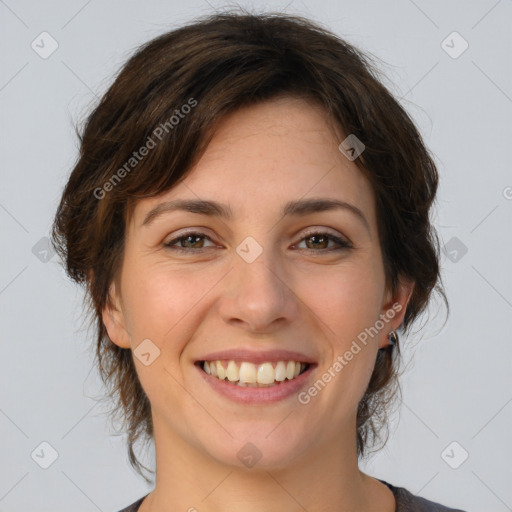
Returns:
point(319, 240)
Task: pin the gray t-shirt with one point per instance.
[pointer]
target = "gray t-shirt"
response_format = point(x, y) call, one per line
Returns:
point(405, 502)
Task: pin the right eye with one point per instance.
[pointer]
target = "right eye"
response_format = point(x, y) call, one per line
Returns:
point(189, 242)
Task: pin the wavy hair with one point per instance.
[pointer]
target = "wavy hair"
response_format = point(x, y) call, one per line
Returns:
point(224, 62)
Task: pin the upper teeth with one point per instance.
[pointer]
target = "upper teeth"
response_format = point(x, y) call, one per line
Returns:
point(249, 373)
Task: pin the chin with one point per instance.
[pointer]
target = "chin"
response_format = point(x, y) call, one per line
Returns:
point(258, 450)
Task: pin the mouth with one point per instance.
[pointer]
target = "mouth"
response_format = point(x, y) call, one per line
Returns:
point(247, 374)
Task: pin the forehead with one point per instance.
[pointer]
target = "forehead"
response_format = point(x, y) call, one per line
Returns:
point(271, 153)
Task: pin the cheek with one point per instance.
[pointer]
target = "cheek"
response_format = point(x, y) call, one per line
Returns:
point(346, 299)
point(348, 303)
point(161, 302)
point(161, 306)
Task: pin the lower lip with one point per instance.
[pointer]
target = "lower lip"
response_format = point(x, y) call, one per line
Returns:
point(246, 395)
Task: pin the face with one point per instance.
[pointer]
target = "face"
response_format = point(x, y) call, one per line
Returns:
point(275, 278)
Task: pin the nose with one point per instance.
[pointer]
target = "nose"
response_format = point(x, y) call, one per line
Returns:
point(258, 296)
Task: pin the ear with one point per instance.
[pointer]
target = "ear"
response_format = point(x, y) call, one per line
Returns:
point(394, 308)
point(114, 320)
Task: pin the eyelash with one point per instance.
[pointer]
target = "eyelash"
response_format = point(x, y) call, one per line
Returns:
point(342, 244)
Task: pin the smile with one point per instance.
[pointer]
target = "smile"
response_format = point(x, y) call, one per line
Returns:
point(247, 374)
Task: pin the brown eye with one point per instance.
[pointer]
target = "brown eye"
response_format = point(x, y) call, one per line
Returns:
point(192, 240)
point(319, 242)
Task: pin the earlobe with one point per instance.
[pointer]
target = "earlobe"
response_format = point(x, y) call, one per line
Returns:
point(113, 319)
point(394, 309)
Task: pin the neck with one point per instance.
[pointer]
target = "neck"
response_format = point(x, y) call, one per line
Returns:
point(326, 477)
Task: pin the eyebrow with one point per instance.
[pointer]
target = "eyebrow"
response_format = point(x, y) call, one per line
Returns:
point(299, 207)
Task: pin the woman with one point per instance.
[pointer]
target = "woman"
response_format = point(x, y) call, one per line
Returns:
point(250, 215)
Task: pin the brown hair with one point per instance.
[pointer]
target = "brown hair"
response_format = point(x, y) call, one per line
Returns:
point(216, 65)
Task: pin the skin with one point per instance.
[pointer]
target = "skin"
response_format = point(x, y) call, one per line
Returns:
point(297, 295)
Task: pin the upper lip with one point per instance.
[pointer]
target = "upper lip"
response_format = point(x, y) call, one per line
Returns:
point(257, 357)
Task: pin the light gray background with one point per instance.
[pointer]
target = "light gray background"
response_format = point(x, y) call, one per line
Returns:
point(457, 386)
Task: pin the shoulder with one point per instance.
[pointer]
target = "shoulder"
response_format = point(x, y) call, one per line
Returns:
point(134, 506)
point(405, 502)
point(408, 502)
